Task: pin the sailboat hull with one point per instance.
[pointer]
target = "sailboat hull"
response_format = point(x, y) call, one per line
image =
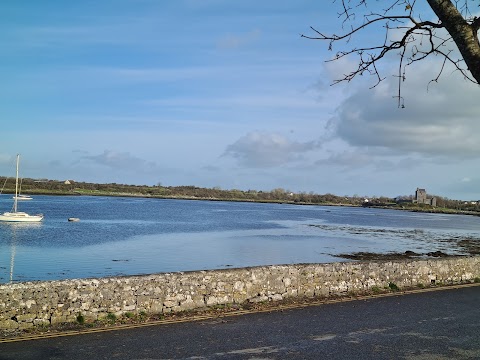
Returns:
point(15, 215)
point(22, 197)
point(20, 217)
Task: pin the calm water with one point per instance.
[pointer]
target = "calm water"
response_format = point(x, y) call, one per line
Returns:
point(126, 236)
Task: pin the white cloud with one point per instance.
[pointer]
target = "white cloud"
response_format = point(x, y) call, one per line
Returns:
point(347, 158)
point(119, 160)
point(442, 121)
point(6, 159)
point(465, 188)
point(231, 41)
point(257, 149)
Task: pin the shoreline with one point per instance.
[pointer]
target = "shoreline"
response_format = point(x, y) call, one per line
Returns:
point(393, 206)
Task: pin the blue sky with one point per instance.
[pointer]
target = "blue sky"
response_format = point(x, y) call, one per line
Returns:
point(216, 93)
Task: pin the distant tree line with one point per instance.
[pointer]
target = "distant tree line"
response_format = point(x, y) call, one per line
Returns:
point(33, 186)
point(54, 187)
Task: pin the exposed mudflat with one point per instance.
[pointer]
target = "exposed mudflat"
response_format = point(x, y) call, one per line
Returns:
point(411, 243)
point(468, 247)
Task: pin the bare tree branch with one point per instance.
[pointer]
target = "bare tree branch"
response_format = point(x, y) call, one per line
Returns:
point(419, 38)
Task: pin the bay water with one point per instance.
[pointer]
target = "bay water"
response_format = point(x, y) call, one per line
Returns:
point(129, 236)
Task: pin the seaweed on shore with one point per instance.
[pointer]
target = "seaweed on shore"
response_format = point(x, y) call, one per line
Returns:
point(472, 246)
point(362, 255)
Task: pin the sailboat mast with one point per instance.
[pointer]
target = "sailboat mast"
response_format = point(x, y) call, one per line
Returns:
point(16, 187)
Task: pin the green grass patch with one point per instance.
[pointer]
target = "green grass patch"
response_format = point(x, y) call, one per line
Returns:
point(80, 319)
point(393, 287)
point(111, 318)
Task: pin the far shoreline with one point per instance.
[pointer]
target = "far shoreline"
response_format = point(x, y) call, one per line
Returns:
point(390, 206)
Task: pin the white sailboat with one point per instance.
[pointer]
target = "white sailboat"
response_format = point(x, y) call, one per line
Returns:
point(22, 196)
point(15, 215)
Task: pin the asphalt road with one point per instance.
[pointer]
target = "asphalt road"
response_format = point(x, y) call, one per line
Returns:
point(433, 325)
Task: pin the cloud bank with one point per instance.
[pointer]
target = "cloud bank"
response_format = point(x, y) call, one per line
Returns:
point(441, 121)
point(257, 149)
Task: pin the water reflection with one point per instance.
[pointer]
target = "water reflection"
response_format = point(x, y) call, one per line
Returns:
point(13, 250)
point(14, 229)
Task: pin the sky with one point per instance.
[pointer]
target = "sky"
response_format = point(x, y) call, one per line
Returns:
point(218, 93)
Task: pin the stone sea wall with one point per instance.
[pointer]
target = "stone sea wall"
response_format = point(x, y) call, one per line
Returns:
point(29, 304)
